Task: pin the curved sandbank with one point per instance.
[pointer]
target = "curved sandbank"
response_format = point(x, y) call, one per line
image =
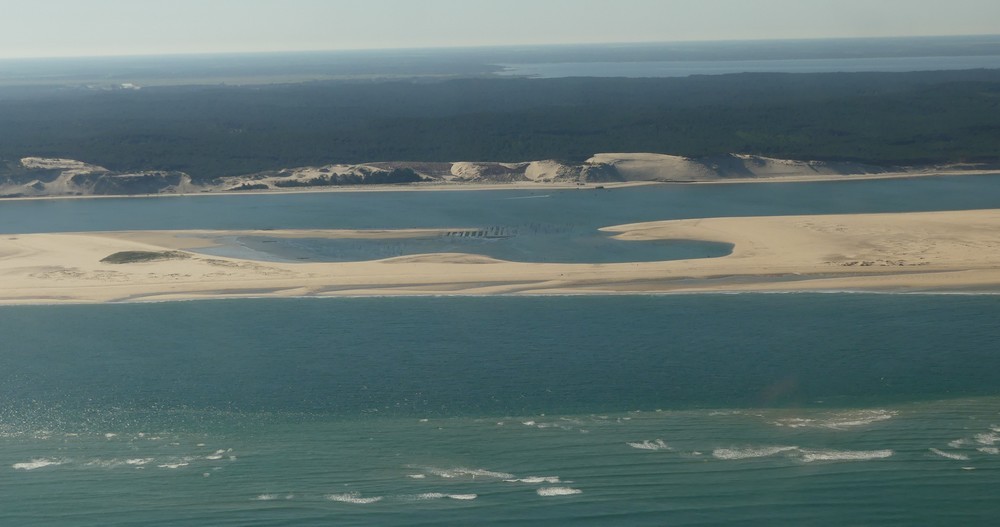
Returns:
point(930, 251)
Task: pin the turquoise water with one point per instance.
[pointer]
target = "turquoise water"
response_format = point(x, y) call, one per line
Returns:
point(686, 410)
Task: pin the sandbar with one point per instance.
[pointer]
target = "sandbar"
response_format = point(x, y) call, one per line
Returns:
point(899, 252)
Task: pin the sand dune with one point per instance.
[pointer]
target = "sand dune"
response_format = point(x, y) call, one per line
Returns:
point(659, 167)
point(938, 251)
point(46, 177)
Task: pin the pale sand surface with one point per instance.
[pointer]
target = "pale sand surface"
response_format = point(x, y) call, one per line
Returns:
point(936, 251)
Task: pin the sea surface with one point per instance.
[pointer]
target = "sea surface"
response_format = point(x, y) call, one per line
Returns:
point(648, 69)
point(755, 409)
point(656, 59)
point(675, 410)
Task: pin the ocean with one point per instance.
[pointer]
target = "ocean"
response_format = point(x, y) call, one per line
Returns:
point(683, 410)
point(660, 69)
point(663, 59)
point(819, 409)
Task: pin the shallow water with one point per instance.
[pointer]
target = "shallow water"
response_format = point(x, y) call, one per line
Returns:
point(518, 245)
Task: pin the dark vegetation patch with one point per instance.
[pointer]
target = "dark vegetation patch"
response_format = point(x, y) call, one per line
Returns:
point(125, 257)
point(213, 131)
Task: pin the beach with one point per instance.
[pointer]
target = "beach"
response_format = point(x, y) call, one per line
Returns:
point(896, 252)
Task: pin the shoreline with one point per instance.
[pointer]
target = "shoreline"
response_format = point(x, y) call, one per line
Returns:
point(477, 187)
point(926, 252)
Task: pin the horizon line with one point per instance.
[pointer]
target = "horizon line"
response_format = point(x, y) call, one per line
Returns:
point(482, 47)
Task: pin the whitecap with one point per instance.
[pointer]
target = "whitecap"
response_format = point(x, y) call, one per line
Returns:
point(748, 453)
point(469, 472)
point(992, 450)
point(987, 439)
point(173, 465)
point(106, 463)
point(558, 491)
point(950, 455)
point(535, 480)
point(440, 495)
point(426, 496)
point(463, 497)
point(416, 476)
point(217, 455)
point(650, 445)
point(110, 435)
point(266, 497)
point(354, 497)
point(844, 455)
point(35, 464)
point(139, 461)
point(840, 420)
point(956, 443)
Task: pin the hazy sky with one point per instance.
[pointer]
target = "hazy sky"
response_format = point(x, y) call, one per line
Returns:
point(34, 28)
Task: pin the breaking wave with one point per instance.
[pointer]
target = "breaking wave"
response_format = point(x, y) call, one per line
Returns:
point(354, 497)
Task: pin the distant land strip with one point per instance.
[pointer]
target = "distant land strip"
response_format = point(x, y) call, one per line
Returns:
point(37, 177)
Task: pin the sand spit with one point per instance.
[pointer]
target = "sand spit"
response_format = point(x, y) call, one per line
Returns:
point(935, 252)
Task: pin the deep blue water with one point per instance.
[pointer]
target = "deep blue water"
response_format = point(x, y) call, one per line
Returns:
point(681, 410)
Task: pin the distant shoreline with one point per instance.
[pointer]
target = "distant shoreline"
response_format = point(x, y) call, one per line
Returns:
point(541, 186)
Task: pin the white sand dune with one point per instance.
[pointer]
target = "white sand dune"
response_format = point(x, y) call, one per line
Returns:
point(660, 167)
point(48, 177)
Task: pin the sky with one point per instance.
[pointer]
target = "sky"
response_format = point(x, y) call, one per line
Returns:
point(63, 28)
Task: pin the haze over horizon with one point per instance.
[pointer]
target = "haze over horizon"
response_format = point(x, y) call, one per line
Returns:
point(67, 28)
